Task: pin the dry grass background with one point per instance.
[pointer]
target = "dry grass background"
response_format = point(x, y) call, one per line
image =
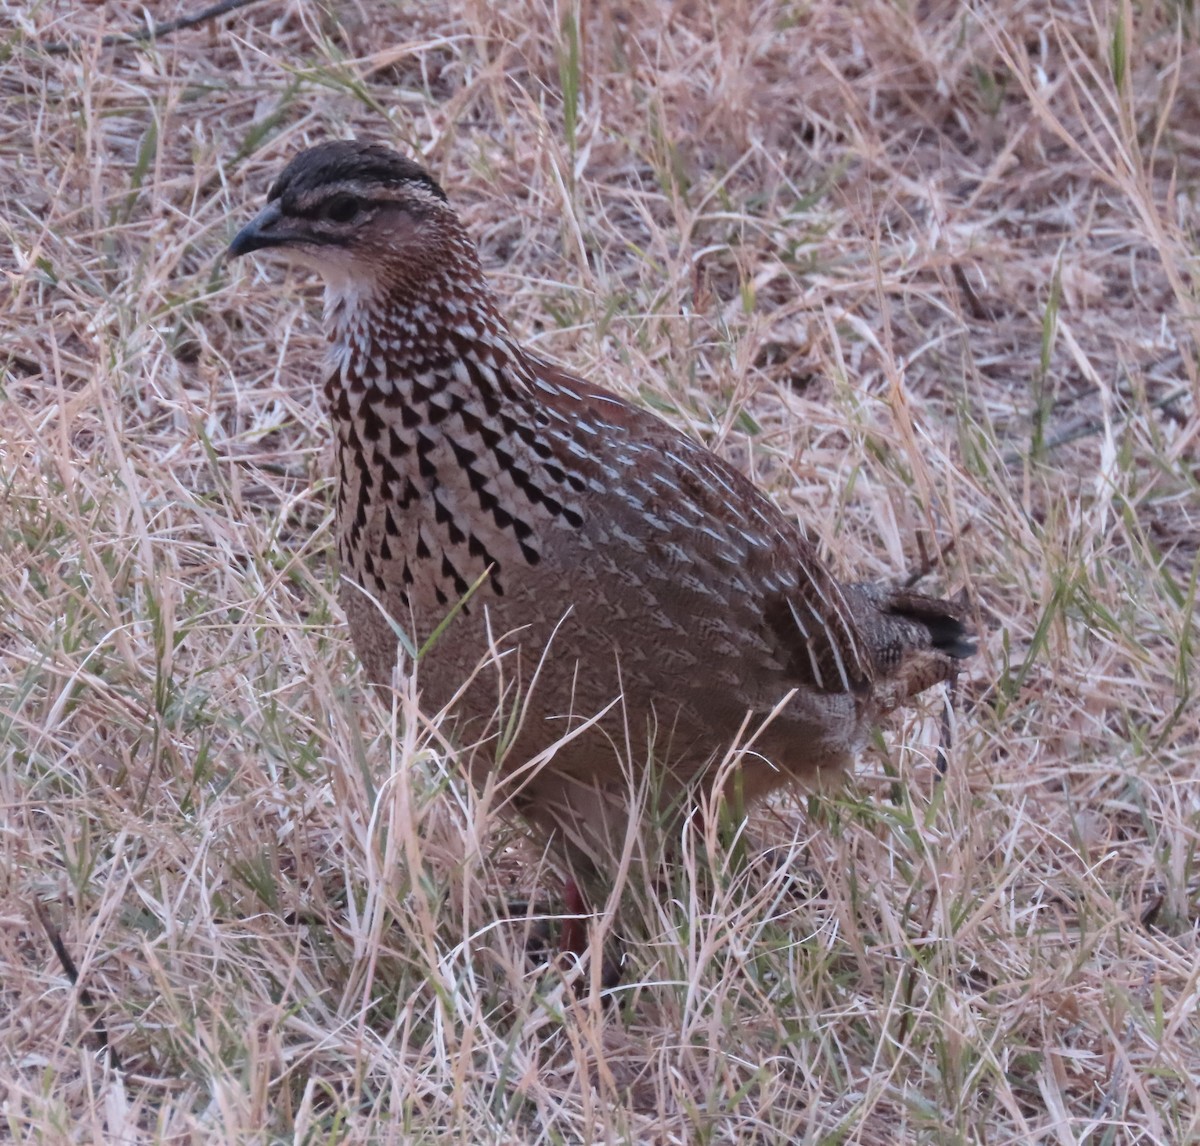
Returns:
point(928, 271)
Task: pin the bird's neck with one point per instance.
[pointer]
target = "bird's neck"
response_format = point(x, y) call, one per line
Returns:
point(420, 330)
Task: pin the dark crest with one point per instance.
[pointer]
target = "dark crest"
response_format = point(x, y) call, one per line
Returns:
point(341, 160)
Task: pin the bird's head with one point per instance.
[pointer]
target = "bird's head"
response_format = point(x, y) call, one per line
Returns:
point(358, 213)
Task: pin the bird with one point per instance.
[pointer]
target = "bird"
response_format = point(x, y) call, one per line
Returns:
point(604, 607)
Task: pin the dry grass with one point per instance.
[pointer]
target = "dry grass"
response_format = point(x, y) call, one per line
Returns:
point(928, 272)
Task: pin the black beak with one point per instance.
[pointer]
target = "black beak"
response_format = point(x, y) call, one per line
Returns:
point(262, 231)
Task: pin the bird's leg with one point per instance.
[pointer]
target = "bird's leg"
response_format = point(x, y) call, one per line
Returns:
point(573, 938)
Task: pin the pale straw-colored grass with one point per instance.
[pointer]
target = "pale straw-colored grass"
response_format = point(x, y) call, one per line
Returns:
point(927, 272)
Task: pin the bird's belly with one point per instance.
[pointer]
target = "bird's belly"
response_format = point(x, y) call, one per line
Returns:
point(563, 642)
point(478, 611)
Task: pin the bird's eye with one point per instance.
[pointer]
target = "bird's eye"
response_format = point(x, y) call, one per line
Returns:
point(341, 209)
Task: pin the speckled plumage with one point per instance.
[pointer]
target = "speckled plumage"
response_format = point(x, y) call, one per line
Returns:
point(604, 556)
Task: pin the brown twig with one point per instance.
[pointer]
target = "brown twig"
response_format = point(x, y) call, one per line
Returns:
point(96, 1025)
point(154, 31)
point(975, 304)
point(1087, 427)
point(930, 561)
